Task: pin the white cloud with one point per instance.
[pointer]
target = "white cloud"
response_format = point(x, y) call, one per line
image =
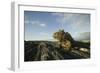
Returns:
point(76, 21)
point(44, 34)
point(36, 23)
point(63, 17)
point(83, 36)
point(42, 25)
point(81, 22)
point(57, 14)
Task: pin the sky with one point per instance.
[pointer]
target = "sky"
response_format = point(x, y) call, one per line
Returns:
point(42, 25)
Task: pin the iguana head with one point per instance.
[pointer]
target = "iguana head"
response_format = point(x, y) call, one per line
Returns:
point(64, 39)
point(59, 35)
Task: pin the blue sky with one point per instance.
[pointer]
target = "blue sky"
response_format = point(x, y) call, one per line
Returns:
point(42, 25)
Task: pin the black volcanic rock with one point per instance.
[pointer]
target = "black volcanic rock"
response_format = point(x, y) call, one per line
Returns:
point(48, 50)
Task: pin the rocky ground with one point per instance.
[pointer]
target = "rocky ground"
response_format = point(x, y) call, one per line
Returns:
point(48, 50)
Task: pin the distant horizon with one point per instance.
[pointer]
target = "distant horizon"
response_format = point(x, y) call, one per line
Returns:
point(42, 40)
point(55, 40)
